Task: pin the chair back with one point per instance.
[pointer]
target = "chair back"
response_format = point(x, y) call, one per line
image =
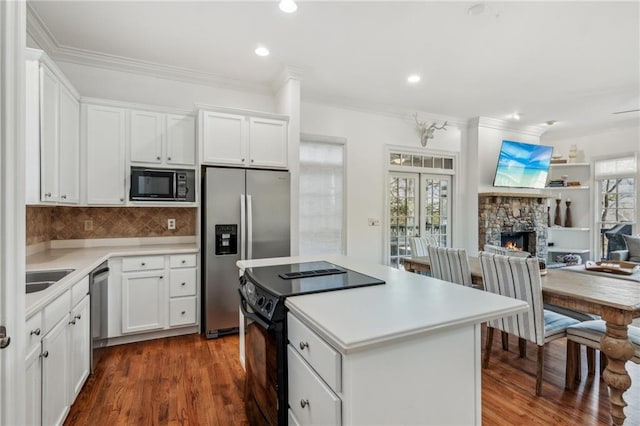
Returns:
point(450, 264)
point(419, 245)
point(519, 278)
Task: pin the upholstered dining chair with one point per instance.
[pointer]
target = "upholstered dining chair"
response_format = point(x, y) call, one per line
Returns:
point(450, 264)
point(419, 245)
point(589, 333)
point(519, 278)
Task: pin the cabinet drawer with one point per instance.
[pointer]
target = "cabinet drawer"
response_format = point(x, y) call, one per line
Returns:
point(183, 283)
point(34, 331)
point(310, 399)
point(142, 263)
point(182, 311)
point(79, 291)
point(55, 311)
point(322, 357)
point(182, 261)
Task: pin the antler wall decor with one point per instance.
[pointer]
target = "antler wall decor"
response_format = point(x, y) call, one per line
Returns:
point(426, 130)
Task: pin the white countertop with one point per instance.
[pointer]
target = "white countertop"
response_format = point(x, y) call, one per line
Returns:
point(408, 305)
point(84, 260)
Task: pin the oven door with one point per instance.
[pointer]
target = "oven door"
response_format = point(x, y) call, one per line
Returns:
point(265, 380)
point(150, 184)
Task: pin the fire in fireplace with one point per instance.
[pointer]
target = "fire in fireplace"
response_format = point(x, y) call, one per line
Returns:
point(519, 240)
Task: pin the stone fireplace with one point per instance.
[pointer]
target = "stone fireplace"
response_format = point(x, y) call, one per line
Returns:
point(518, 219)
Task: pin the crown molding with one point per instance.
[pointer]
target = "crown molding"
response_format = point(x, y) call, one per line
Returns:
point(494, 123)
point(287, 73)
point(137, 106)
point(37, 29)
point(385, 110)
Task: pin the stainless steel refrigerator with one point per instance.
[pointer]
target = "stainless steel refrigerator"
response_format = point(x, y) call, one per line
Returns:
point(245, 215)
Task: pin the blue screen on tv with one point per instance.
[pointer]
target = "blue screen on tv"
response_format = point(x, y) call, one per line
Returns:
point(523, 165)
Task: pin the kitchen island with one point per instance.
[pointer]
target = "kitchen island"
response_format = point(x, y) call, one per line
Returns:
point(406, 352)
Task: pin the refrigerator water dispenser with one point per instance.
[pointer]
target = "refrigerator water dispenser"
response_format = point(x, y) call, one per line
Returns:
point(226, 239)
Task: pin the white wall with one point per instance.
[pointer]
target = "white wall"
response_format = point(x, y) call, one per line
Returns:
point(596, 142)
point(129, 87)
point(367, 136)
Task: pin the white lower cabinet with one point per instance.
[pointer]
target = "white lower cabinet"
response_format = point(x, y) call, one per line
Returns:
point(80, 346)
point(152, 294)
point(55, 375)
point(58, 353)
point(142, 301)
point(394, 382)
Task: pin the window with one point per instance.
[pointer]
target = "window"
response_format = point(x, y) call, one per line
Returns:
point(322, 192)
point(616, 192)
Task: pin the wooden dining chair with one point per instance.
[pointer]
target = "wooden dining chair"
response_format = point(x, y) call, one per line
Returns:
point(589, 333)
point(450, 264)
point(519, 278)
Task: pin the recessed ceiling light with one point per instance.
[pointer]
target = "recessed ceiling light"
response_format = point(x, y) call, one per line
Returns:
point(262, 51)
point(413, 78)
point(288, 6)
point(515, 116)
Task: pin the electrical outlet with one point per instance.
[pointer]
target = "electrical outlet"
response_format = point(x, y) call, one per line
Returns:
point(373, 222)
point(88, 225)
point(171, 224)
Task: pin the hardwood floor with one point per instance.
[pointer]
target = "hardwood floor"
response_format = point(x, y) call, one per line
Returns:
point(189, 380)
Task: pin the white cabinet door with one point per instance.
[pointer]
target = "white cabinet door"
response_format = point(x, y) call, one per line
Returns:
point(105, 136)
point(181, 140)
point(80, 347)
point(69, 148)
point(223, 138)
point(33, 387)
point(143, 301)
point(48, 135)
point(146, 137)
point(55, 374)
point(268, 142)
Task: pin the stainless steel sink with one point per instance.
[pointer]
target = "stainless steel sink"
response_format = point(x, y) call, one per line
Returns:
point(40, 280)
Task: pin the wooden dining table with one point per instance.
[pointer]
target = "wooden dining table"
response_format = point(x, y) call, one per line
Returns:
point(616, 300)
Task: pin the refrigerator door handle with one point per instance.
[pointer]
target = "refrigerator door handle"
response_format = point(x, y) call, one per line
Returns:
point(249, 228)
point(242, 228)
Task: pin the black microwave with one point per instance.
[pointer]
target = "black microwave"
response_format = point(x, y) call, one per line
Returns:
point(162, 184)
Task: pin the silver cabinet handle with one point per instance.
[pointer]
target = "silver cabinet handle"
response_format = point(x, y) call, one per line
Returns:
point(252, 160)
point(183, 312)
point(44, 354)
point(304, 345)
point(184, 261)
point(48, 194)
point(169, 158)
point(243, 160)
point(64, 197)
point(121, 199)
point(183, 284)
point(78, 316)
point(4, 339)
point(142, 264)
point(304, 402)
point(36, 332)
point(72, 322)
point(157, 158)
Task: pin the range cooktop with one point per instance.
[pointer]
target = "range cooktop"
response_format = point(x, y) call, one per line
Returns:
point(309, 277)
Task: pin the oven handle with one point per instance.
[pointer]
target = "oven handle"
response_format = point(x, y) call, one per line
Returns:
point(253, 316)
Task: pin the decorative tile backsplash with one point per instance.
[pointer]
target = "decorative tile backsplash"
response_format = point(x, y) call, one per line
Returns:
point(71, 223)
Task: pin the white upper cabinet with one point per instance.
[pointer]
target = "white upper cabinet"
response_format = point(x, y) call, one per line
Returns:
point(160, 139)
point(267, 142)
point(52, 118)
point(69, 148)
point(105, 142)
point(181, 139)
point(242, 140)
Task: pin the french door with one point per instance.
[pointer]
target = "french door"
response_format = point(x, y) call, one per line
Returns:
point(419, 205)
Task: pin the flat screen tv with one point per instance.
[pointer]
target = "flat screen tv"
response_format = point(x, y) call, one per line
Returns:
point(522, 165)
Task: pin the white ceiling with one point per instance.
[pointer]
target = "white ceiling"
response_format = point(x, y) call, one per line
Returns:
point(574, 62)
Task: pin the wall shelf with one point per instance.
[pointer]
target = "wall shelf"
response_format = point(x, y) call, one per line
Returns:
point(555, 249)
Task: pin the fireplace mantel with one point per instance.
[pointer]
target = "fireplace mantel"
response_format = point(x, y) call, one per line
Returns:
point(514, 195)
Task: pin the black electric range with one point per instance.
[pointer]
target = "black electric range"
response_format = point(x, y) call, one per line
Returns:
point(264, 288)
point(263, 291)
